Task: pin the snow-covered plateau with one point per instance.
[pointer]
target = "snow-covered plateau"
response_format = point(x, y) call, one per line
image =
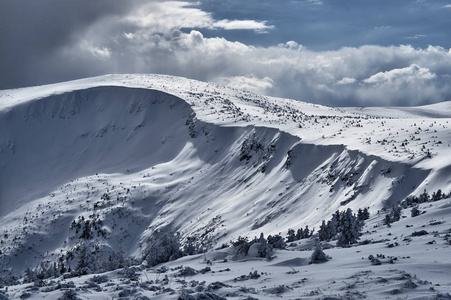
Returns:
point(147, 186)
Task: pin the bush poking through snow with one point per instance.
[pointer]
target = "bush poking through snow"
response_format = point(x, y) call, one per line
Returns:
point(318, 255)
point(276, 241)
point(69, 295)
point(263, 247)
point(256, 248)
point(363, 214)
point(162, 246)
point(374, 261)
point(415, 212)
point(420, 233)
point(387, 220)
point(187, 271)
point(425, 197)
point(241, 246)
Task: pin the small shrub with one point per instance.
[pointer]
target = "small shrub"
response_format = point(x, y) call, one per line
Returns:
point(318, 255)
point(276, 241)
point(162, 246)
point(241, 246)
point(69, 295)
point(420, 233)
point(415, 212)
point(187, 271)
point(374, 261)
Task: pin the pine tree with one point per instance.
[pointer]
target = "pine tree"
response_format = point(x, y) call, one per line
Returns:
point(424, 197)
point(350, 230)
point(241, 246)
point(190, 247)
point(30, 275)
point(360, 214)
point(332, 226)
point(318, 255)
point(363, 214)
point(387, 220)
point(338, 217)
point(437, 195)
point(323, 232)
point(300, 234)
point(86, 233)
point(264, 249)
point(307, 232)
point(415, 211)
point(162, 246)
point(62, 268)
point(291, 235)
point(395, 213)
point(366, 213)
point(276, 241)
point(84, 260)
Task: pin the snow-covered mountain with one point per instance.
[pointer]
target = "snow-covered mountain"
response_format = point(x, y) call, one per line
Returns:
point(129, 154)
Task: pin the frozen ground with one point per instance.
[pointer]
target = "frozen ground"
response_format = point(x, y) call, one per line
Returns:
point(129, 154)
point(412, 267)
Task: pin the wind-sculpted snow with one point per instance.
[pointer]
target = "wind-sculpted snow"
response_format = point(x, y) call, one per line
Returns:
point(51, 141)
point(102, 165)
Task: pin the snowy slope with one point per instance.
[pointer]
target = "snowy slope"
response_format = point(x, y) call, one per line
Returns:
point(132, 153)
point(411, 267)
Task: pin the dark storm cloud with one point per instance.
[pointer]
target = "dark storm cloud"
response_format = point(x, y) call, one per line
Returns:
point(32, 31)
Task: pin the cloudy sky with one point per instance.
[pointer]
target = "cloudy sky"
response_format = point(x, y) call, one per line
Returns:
point(338, 53)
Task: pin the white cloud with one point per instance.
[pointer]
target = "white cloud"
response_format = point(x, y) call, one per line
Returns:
point(292, 45)
point(315, 2)
point(102, 53)
point(242, 24)
point(416, 36)
point(167, 15)
point(400, 75)
point(346, 80)
point(409, 75)
point(249, 82)
point(447, 6)
point(129, 35)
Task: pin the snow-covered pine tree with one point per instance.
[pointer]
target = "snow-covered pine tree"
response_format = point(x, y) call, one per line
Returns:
point(276, 241)
point(415, 211)
point(338, 217)
point(363, 214)
point(387, 220)
point(424, 197)
point(323, 232)
point(350, 229)
point(437, 195)
point(332, 226)
point(396, 213)
point(162, 246)
point(85, 260)
point(300, 234)
point(264, 249)
point(307, 232)
point(318, 255)
point(291, 235)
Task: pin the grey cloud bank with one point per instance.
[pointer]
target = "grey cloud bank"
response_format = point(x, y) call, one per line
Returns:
point(168, 37)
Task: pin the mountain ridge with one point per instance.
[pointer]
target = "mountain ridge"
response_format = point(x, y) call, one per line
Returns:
point(204, 160)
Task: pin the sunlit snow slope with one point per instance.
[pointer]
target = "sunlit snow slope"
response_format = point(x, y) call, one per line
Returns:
point(137, 152)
